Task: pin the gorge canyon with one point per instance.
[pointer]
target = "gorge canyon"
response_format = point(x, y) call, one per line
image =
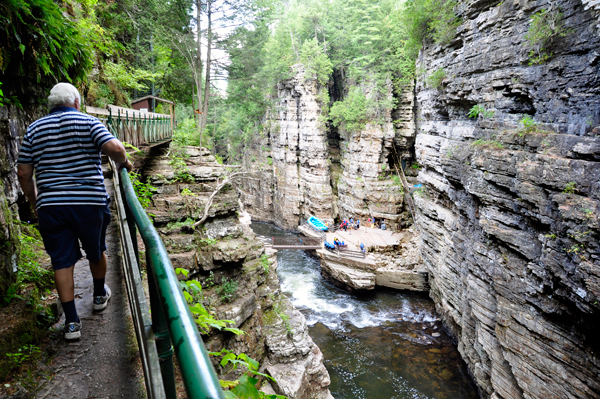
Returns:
point(508, 213)
point(502, 159)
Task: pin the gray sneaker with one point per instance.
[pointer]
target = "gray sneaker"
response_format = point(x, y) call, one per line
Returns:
point(100, 302)
point(73, 330)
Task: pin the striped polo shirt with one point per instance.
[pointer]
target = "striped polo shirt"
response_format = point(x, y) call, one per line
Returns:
point(64, 148)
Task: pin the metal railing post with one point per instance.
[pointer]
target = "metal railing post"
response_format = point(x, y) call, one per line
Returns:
point(131, 226)
point(163, 339)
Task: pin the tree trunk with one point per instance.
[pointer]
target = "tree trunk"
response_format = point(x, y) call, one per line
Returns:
point(199, 67)
point(207, 72)
point(212, 196)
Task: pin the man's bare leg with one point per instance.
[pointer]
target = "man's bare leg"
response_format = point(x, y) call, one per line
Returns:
point(65, 285)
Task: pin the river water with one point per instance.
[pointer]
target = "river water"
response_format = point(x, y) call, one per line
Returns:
point(381, 345)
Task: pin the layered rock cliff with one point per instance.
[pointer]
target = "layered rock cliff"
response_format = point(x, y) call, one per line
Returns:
point(295, 157)
point(303, 166)
point(510, 211)
point(238, 276)
point(13, 125)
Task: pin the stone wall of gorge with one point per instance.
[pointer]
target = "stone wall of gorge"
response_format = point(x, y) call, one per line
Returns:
point(13, 125)
point(238, 276)
point(294, 153)
point(510, 216)
point(365, 186)
point(302, 166)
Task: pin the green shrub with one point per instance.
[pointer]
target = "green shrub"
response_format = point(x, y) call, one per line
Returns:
point(186, 192)
point(143, 191)
point(29, 270)
point(179, 224)
point(227, 290)
point(181, 171)
point(545, 25)
point(350, 113)
point(436, 78)
point(264, 261)
point(41, 45)
point(187, 133)
point(569, 188)
point(528, 125)
point(478, 110)
point(316, 61)
point(208, 241)
point(488, 143)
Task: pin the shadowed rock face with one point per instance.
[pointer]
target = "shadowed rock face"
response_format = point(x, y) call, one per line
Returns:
point(13, 125)
point(510, 223)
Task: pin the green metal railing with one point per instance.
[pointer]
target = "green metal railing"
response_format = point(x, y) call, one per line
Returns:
point(171, 320)
point(141, 129)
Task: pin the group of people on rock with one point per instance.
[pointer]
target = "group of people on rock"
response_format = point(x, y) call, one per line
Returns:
point(353, 225)
point(371, 222)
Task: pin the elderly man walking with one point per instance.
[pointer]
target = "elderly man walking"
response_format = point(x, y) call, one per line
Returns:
point(63, 148)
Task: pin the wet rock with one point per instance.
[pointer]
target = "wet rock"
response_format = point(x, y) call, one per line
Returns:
point(13, 125)
point(347, 277)
point(295, 361)
point(402, 279)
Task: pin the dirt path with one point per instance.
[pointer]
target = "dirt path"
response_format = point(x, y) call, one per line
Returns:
point(104, 363)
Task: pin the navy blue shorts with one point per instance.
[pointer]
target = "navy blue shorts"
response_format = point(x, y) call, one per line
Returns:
point(63, 226)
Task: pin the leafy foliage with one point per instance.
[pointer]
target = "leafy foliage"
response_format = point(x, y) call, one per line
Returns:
point(478, 110)
point(41, 44)
point(180, 169)
point(264, 261)
point(315, 61)
point(192, 290)
point(436, 78)
point(351, 113)
point(29, 270)
point(369, 45)
point(186, 134)
point(569, 188)
point(528, 125)
point(545, 25)
point(143, 191)
point(488, 144)
point(246, 386)
point(227, 290)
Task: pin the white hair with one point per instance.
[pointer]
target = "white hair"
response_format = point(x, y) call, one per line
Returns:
point(63, 94)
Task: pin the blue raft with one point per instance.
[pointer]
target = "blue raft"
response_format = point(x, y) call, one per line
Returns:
point(317, 224)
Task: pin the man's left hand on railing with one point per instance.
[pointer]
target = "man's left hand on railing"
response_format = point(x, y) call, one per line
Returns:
point(127, 165)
